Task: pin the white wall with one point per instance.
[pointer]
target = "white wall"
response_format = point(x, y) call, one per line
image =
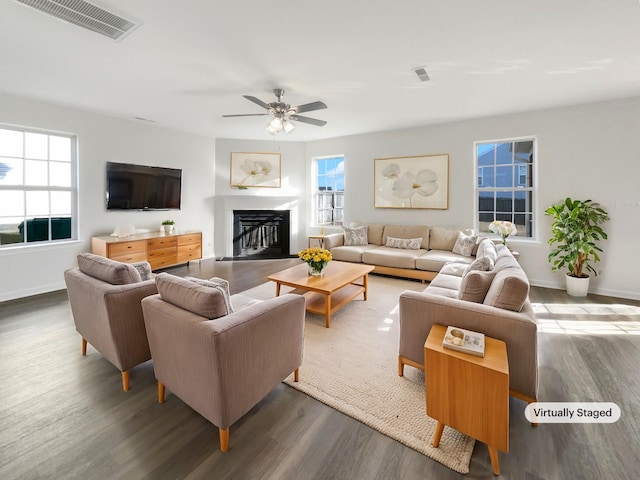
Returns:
point(36, 269)
point(589, 151)
point(291, 195)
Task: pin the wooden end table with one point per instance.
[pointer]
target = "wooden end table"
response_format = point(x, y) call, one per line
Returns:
point(469, 393)
point(333, 290)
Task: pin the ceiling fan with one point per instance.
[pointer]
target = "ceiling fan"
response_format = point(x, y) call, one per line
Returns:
point(283, 113)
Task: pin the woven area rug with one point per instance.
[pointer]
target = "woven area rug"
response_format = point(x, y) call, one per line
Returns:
point(352, 367)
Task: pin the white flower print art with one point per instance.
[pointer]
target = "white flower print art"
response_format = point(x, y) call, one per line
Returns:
point(255, 170)
point(412, 182)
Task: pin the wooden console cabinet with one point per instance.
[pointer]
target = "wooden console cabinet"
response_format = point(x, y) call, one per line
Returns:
point(159, 249)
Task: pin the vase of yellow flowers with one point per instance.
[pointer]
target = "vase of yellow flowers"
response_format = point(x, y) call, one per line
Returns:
point(317, 258)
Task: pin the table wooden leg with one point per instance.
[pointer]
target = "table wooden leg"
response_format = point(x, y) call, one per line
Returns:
point(493, 454)
point(327, 311)
point(277, 289)
point(365, 283)
point(438, 435)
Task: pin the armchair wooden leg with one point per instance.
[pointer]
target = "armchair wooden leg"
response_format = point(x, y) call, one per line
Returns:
point(125, 380)
point(84, 347)
point(296, 375)
point(160, 393)
point(400, 367)
point(224, 439)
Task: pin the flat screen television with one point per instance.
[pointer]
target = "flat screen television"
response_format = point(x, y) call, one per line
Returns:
point(141, 187)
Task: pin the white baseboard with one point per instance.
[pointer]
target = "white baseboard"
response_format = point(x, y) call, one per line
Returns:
point(28, 292)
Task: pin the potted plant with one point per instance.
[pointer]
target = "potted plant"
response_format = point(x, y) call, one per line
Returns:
point(167, 226)
point(576, 231)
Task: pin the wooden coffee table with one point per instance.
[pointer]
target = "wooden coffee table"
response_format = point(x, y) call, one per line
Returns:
point(329, 292)
point(469, 393)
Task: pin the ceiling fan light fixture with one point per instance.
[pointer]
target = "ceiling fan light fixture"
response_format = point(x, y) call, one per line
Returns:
point(288, 126)
point(275, 125)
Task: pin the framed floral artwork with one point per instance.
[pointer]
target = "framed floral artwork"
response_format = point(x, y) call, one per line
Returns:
point(412, 182)
point(253, 169)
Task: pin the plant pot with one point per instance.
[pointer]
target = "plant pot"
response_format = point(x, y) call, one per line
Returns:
point(577, 286)
point(167, 228)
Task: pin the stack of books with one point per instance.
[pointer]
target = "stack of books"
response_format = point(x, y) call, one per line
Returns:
point(464, 341)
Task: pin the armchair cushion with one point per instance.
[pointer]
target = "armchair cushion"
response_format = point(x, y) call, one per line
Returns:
point(107, 270)
point(218, 283)
point(203, 301)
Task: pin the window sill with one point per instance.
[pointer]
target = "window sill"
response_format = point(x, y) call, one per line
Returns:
point(22, 249)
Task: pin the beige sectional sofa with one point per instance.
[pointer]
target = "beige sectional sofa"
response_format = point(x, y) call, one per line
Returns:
point(494, 302)
point(436, 247)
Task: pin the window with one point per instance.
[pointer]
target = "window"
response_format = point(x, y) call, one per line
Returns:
point(329, 190)
point(505, 188)
point(37, 186)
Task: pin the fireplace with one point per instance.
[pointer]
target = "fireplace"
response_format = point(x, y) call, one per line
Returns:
point(261, 234)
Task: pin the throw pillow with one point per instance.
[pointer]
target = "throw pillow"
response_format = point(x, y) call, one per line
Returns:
point(355, 236)
point(408, 243)
point(483, 264)
point(107, 270)
point(144, 269)
point(219, 284)
point(188, 295)
point(475, 285)
point(465, 244)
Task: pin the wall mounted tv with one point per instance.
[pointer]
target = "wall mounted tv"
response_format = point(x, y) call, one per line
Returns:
point(141, 187)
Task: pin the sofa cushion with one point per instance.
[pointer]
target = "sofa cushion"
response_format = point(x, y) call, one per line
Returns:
point(374, 234)
point(442, 238)
point(392, 257)
point(408, 243)
point(450, 282)
point(218, 283)
point(399, 231)
point(509, 289)
point(350, 253)
point(434, 260)
point(204, 301)
point(464, 244)
point(454, 268)
point(505, 259)
point(474, 285)
point(486, 248)
point(483, 264)
point(107, 270)
point(355, 235)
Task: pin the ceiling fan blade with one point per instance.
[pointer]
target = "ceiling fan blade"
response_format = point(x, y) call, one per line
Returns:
point(312, 121)
point(309, 107)
point(257, 101)
point(247, 115)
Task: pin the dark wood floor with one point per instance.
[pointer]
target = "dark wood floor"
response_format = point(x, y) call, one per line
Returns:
point(65, 416)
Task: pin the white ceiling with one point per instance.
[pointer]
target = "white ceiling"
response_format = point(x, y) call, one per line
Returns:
point(191, 61)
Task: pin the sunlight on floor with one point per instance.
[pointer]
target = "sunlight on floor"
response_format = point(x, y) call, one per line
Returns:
point(602, 319)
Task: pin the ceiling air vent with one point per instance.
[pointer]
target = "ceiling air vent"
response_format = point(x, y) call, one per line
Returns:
point(422, 74)
point(84, 14)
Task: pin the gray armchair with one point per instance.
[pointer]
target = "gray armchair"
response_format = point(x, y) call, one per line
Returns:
point(105, 300)
point(221, 363)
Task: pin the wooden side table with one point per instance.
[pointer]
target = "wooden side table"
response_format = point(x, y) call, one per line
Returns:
point(317, 238)
point(469, 393)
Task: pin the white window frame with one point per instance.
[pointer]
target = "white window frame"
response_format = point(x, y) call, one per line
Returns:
point(337, 196)
point(516, 188)
point(73, 189)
